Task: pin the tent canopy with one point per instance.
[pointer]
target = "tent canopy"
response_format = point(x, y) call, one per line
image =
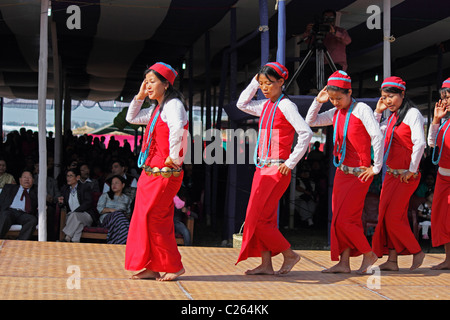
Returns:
point(118, 39)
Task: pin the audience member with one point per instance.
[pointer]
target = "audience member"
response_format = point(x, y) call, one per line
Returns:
point(178, 218)
point(77, 199)
point(114, 208)
point(51, 200)
point(18, 205)
point(118, 167)
point(426, 185)
point(424, 214)
point(85, 178)
point(305, 196)
point(5, 178)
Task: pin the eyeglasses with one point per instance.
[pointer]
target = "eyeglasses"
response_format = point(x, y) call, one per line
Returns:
point(70, 175)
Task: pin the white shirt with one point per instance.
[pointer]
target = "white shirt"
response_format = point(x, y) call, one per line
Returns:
point(173, 114)
point(361, 111)
point(73, 199)
point(414, 120)
point(17, 203)
point(289, 110)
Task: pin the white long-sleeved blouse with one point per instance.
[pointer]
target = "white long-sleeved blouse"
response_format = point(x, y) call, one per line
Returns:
point(289, 110)
point(361, 111)
point(173, 114)
point(414, 120)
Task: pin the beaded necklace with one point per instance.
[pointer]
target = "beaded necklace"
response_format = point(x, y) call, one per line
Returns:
point(435, 162)
point(344, 143)
point(143, 155)
point(386, 153)
point(271, 116)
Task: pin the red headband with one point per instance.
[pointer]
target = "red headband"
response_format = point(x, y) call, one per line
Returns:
point(279, 68)
point(340, 79)
point(396, 82)
point(165, 70)
point(446, 83)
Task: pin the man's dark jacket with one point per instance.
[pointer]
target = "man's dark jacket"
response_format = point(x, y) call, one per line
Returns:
point(9, 193)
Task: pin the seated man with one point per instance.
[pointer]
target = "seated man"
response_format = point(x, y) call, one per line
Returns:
point(18, 205)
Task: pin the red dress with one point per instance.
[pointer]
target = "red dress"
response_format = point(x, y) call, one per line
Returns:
point(440, 210)
point(261, 228)
point(393, 231)
point(349, 192)
point(151, 240)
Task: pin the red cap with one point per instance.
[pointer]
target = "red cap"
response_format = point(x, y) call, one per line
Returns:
point(395, 82)
point(446, 83)
point(165, 70)
point(340, 79)
point(279, 68)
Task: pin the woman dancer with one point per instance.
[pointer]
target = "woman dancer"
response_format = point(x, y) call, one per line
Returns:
point(279, 120)
point(439, 139)
point(404, 146)
point(151, 243)
point(355, 131)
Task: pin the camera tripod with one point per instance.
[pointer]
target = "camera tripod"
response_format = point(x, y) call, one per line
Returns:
point(321, 51)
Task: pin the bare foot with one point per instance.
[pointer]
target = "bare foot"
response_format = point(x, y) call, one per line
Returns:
point(417, 260)
point(261, 269)
point(146, 274)
point(338, 268)
point(389, 265)
point(442, 266)
point(170, 276)
point(368, 260)
point(289, 262)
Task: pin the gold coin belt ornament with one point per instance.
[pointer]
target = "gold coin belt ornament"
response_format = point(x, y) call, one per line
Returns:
point(166, 172)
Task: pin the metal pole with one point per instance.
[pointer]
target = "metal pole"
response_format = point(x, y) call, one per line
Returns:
point(265, 40)
point(58, 102)
point(42, 97)
point(386, 38)
point(1, 124)
point(386, 53)
point(281, 52)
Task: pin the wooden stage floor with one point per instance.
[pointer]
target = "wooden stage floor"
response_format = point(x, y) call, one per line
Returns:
point(31, 270)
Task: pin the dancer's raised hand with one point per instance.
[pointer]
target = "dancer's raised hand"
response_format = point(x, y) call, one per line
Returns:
point(322, 97)
point(440, 110)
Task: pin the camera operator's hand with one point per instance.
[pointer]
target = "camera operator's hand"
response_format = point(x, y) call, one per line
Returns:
point(332, 29)
point(308, 30)
point(322, 97)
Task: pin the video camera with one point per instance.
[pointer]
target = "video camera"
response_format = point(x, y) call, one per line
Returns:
point(322, 26)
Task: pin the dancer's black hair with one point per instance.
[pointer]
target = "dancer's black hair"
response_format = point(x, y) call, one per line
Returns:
point(270, 73)
point(443, 92)
point(406, 104)
point(342, 90)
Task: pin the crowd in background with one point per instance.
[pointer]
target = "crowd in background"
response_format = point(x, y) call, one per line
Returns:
point(94, 161)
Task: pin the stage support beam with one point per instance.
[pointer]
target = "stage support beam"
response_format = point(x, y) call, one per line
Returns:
point(42, 134)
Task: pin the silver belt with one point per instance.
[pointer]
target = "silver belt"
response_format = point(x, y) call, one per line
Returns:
point(350, 170)
point(166, 172)
point(398, 172)
point(271, 162)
